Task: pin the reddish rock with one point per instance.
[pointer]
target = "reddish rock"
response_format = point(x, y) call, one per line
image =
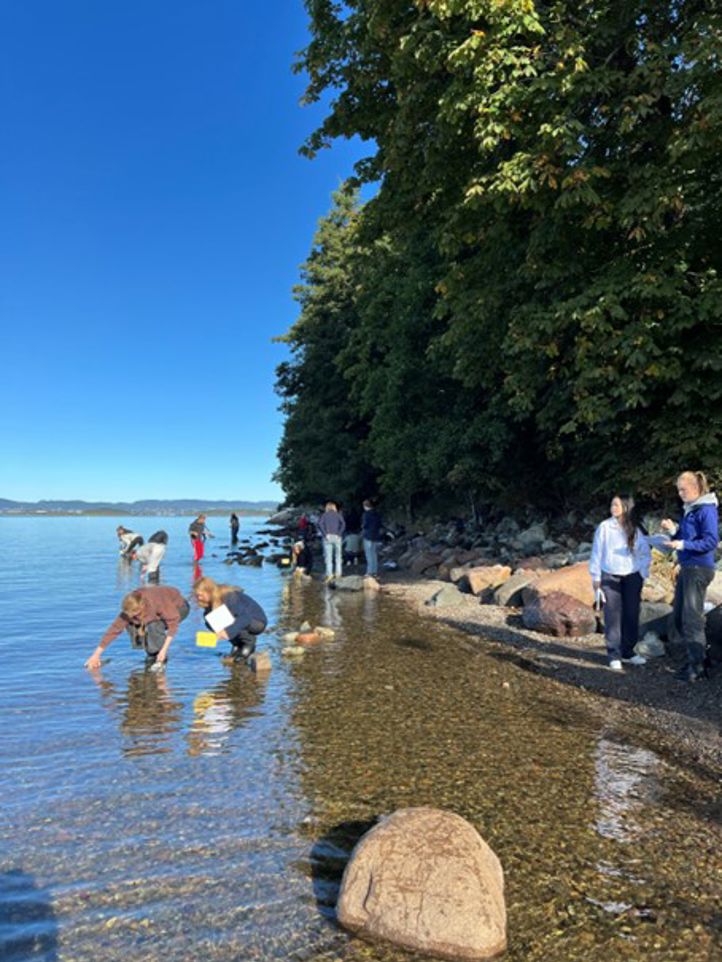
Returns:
point(560, 615)
point(309, 638)
point(481, 579)
point(573, 580)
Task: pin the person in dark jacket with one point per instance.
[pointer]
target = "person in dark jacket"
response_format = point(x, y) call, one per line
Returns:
point(331, 525)
point(695, 539)
point(235, 525)
point(371, 530)
point(151, 616)
point(249, 618)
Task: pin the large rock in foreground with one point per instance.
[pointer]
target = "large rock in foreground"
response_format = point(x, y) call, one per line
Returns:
point(560, 615)
point(425, 880)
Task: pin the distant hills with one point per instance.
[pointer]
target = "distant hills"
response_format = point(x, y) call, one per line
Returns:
point(179, 507)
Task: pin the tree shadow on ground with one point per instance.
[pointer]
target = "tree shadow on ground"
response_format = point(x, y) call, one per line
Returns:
point(28, 927)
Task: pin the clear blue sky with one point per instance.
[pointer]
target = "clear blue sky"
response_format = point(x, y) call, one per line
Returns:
point(154, 212)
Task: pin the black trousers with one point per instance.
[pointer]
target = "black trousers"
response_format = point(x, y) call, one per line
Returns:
point(621, 613)
point(245, 641)
point(692, 584)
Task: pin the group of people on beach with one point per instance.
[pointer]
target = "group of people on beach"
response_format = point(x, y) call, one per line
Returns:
point(620, 563)
point(341, 539)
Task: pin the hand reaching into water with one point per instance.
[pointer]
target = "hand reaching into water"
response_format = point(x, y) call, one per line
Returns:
point(93, 663)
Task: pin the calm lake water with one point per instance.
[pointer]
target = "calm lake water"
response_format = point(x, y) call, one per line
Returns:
point(206, 814)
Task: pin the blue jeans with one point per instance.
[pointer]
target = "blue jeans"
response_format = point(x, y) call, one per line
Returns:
point(333, 555)
point(371, 550)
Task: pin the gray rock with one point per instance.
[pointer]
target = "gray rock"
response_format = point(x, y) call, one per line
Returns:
point(445, 597)
point(509, 594)
point(531, 540)
point(653, 616)
point(349, 583)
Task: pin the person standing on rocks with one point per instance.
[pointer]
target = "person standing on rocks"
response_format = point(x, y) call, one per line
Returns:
point(619, 566)
point(198, 532)
point(331, 526)
point(695, 539)
point(371, 529)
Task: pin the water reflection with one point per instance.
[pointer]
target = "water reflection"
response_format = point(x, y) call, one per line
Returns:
point(227, 706)
point(149, 713)
point(625, 780)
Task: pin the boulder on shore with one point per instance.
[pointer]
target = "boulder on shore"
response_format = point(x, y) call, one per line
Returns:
point(510, 593)
point(560, 615)
point(574, 581)
point(424, 879)
point(445, 597)
point(483, 579)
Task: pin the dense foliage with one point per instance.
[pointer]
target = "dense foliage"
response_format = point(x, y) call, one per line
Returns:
point(531, 304)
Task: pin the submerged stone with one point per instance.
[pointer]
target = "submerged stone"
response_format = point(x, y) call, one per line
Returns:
point(426, 880)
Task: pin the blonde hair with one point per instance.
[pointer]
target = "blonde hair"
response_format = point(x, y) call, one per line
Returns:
point(132, 606)
point(698, 478)
point(216, 591)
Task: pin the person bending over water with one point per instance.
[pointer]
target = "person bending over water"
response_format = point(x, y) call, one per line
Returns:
point(250, 618)
point(150, 556)
point(151, 616)
point(129, 541)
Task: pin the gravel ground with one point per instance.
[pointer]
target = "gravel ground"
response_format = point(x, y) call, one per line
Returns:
point(689, 715)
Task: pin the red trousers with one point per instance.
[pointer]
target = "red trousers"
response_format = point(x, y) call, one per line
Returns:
point(198, 548)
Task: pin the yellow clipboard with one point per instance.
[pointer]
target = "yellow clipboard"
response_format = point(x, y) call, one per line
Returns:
point(206, 639)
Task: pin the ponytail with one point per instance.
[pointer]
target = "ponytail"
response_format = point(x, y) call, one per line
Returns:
point(699, 478)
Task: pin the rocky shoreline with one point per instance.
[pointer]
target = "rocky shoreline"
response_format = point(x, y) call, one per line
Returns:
point(524, 595)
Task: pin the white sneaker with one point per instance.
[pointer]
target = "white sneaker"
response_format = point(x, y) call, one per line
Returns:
point(615, 665)
point(635, 660)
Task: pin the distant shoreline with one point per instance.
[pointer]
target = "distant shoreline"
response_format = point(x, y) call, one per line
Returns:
point(209, 512)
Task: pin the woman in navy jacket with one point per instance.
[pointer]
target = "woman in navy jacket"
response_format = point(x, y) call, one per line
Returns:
point(695, 539)
point(249, 618)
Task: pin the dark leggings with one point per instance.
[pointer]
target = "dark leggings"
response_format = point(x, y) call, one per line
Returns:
point(621, 613)
point(155, 633)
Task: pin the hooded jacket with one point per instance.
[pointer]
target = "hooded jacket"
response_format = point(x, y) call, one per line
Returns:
point(699, 530)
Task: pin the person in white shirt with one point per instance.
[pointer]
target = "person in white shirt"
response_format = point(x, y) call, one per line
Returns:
point(619, 566)
point(150, 556)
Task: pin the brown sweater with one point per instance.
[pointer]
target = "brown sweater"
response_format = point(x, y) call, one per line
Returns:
point(160, 603)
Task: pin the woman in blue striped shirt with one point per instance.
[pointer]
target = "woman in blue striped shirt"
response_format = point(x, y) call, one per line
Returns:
point(619, 566)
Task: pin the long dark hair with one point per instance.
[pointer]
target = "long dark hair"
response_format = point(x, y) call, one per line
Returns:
point(629, 521)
